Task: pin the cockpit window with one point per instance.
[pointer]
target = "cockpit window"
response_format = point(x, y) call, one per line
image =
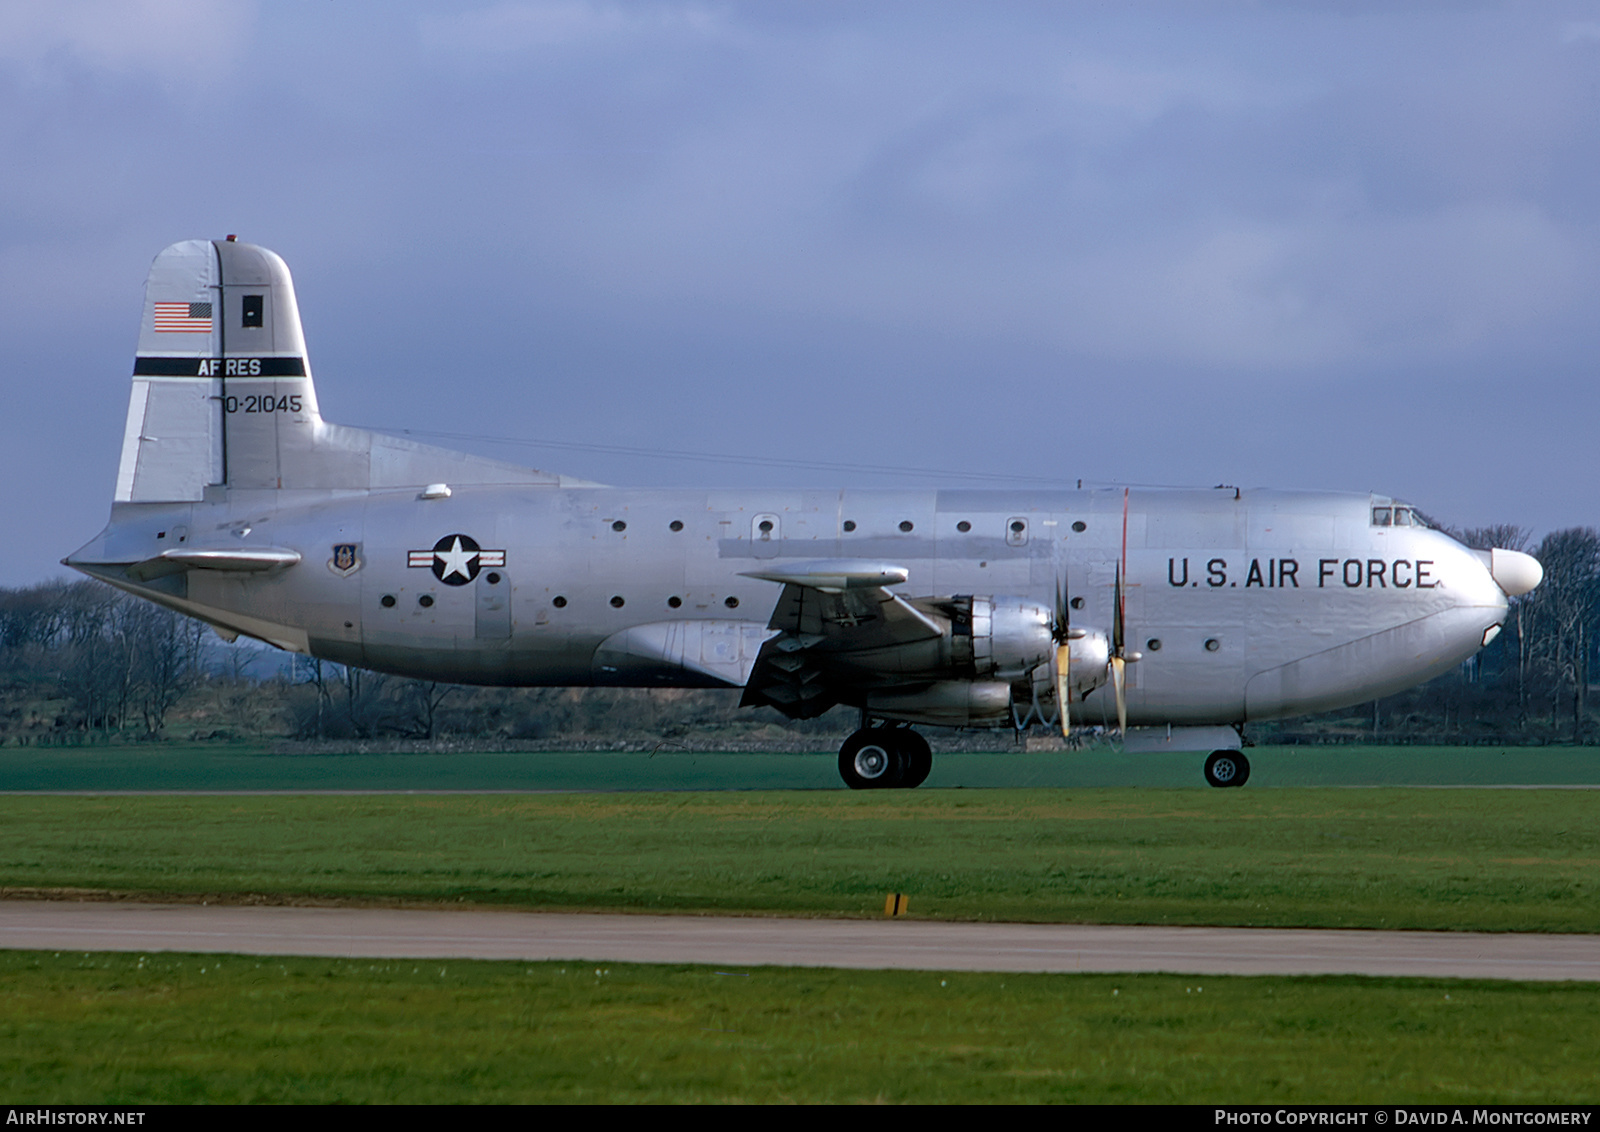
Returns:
point(1386, 515)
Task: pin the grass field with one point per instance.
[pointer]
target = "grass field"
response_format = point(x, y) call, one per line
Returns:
point(168, 1028)
point(1490, 860)
point(1096, 837)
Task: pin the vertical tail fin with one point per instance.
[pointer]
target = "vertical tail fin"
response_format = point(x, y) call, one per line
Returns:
point(223, 400)
point(222, 390)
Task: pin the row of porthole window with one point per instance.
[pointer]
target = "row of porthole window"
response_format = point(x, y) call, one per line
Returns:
point(559, 601)
point(621, 525)
point(906, 526)
point(1212, 644)
point(1154, 643)
point(618, 601)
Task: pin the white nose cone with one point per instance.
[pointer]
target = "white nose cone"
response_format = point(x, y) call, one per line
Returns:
point(1515, 572)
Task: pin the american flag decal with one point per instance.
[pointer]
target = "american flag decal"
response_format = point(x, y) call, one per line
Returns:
point(183, 318)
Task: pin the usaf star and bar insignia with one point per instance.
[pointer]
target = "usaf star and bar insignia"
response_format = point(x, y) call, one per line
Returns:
point(456, 559)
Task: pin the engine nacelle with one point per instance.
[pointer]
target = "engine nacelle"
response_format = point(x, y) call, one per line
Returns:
point(993, 655)
point(1010, 636)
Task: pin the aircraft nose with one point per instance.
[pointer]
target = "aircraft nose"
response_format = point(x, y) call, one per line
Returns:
point(1513, 571)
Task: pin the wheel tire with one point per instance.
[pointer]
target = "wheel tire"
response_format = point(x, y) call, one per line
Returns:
point(918, 756)
point(872, 759)
point(1227, 768)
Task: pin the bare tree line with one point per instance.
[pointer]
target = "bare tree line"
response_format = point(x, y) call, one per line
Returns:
point(80, 661)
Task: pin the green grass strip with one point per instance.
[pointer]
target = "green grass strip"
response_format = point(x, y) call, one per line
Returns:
point(1485, 860)
point(169, 1028)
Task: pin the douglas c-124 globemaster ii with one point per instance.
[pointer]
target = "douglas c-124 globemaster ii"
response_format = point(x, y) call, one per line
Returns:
point(1183, 614)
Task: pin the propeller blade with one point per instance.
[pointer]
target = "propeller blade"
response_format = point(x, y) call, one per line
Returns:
point(1117, 611)
point(1119, 679)
point(1122, 571)
point(1063, 686)
point(1061, 631)
point(1119, 627)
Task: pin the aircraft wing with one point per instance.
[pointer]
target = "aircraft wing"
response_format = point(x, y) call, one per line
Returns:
point(830, 619)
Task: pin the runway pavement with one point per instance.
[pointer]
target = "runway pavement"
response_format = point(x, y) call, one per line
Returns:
point(904, 944)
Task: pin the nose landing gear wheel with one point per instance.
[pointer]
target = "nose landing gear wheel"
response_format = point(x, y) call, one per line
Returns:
point(1227, 768)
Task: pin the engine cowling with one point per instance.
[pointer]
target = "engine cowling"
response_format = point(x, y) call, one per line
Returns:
point(1011, 639)
point(1010, 636)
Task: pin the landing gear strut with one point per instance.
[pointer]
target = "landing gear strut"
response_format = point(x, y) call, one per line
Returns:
point(1227, 768)
point(885, 758)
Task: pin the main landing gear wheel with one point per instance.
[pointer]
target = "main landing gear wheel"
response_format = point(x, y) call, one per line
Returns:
point(1227, 768)
point(872, 759)
point(918, 756)
point(885, 758)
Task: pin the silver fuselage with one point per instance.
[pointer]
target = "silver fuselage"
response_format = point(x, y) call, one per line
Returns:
point(1243, 605)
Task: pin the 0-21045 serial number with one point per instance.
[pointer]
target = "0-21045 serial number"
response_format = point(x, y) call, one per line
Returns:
point(262, 403)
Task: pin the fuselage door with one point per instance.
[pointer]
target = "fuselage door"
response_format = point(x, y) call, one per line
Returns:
point(493, 589)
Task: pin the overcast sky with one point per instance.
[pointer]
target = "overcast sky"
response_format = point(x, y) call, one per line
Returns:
point(1337, 245)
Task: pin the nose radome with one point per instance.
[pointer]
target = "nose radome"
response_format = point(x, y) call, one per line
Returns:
point(1515, 572)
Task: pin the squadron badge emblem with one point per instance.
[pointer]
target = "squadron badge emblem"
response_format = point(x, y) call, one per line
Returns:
point(456, 559)
point(346, 558)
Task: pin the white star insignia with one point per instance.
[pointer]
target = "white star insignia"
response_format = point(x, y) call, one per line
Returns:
point(455, 560)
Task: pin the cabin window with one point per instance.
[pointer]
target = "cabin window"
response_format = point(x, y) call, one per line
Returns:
point(619, 526)
point(426, 601)
point(906, 526)
point(1382, 516)
point(617, 602)
point(963, 526)
point(674, 601)
point(849, 525)
point(387, 601)
point(559, 602)
point(731, 602)
point(675, 525)
point(1080, 526)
